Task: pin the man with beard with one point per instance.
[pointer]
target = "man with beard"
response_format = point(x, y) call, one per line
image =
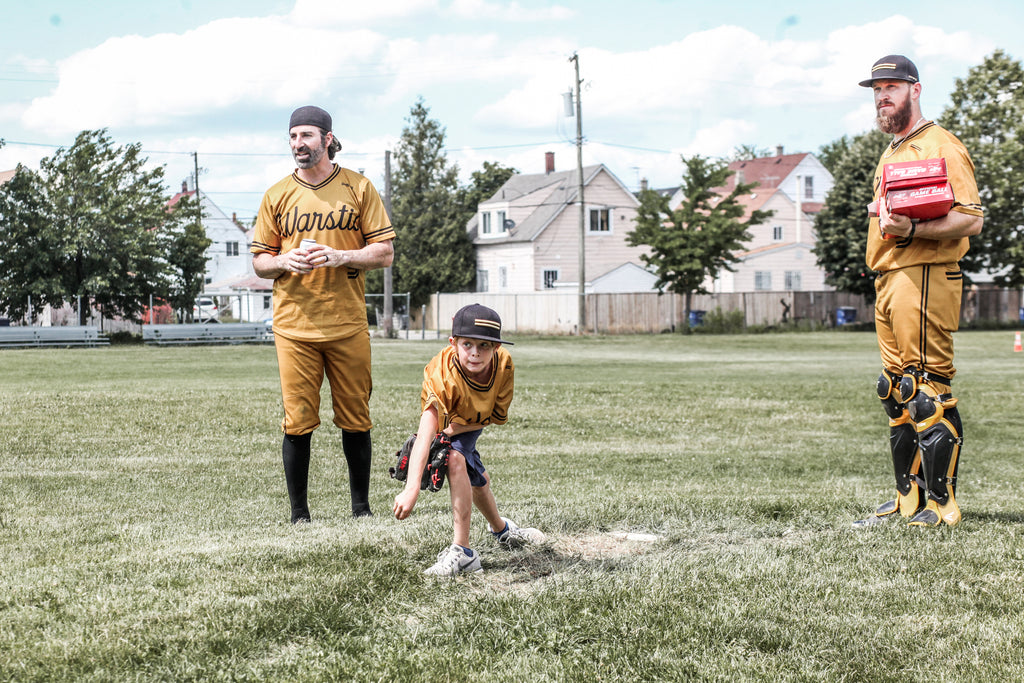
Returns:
point(917, 305)
point(317, 232)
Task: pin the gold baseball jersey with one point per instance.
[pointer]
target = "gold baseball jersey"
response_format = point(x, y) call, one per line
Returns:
point(343, 212)
point(461, 400)
point(930, 141)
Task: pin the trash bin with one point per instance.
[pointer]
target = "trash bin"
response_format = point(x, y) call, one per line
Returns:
point(696, 318)
point(846, 315)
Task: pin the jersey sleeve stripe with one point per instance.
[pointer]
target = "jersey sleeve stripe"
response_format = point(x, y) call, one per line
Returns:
point(258, 247)
point(380, 235)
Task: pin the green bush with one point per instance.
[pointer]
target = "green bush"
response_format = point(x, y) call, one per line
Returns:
point(719, 322)
point(124, 338)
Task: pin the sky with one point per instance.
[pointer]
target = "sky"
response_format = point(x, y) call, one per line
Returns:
point(213, 82)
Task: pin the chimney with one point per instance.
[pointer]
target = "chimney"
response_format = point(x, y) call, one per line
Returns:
point(643, 184)
point(184, 186)
point(549, 162)
point(778, 150)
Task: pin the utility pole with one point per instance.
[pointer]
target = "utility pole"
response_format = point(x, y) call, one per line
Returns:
point(199, 222)
point(388, 304)
point(199, 210)
point(583, 209)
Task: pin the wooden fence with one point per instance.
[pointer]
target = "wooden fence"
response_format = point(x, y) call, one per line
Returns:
point(557, 312)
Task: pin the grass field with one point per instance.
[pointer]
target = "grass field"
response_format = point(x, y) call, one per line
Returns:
point(697, 492)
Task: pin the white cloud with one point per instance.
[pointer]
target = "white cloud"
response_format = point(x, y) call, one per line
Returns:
point(348, 14)
point(722, 138)
point(148, 81)
point(511, 11)
point(705, 93)
point(28, 156)
point(345, 15)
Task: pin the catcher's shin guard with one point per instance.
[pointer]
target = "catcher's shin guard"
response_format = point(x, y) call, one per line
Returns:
point(940, 440)
point(904, 449)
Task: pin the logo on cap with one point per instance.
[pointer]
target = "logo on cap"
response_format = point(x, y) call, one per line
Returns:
point(477, 322)
point(892, 67)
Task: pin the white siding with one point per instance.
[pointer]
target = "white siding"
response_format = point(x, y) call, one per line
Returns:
point(221, 230)
point(518, 264)
point(794, 258)
point(558, 246)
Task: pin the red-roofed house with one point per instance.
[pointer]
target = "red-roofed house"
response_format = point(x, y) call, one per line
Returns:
point(778, 257)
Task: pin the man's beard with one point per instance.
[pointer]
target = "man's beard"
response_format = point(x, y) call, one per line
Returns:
point(315, 155)
point(897, 122)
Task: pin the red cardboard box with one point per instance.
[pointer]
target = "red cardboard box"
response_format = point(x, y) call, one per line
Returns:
point(913, 174)
point(923, 203)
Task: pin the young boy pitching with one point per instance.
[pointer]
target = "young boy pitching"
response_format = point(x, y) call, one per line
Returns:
point(467, 386)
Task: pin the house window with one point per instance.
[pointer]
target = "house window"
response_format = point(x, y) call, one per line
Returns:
point(481, 280)
point(232, 248)
point(793, 280)
point(550, 278)
point(502, 278)
point(267, 301)
point(600, 220)
point(777, 233)
point(809, 187)
point(762, 280)
point(485, 223)
point(500, 227)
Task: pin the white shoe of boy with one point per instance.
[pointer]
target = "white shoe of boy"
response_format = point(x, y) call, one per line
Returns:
point(454, 560)
point(513, 536)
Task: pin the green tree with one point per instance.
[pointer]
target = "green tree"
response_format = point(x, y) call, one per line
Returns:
point(93, 214)
point(842, 224)
point(185, 243)
point(691, 245)
point(433, 251)
point(749, 152)
point(831, 153)
point(28, 266)
point(987, 114)
point(482, 186)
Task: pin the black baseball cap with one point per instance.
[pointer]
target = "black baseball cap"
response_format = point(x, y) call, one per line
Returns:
point(477, 322)
point(310, 116)
point(893, 68)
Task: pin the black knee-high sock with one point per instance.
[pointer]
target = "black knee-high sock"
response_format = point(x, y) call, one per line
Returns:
point(358, 453)
point(295, 454)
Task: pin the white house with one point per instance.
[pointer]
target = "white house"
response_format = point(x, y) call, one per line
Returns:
point(229, 276)
point(527, 236)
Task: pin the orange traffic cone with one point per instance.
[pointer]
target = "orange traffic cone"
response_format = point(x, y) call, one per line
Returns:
point(1016, 343)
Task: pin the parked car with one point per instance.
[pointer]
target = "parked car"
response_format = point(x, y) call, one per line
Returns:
point(205, 310)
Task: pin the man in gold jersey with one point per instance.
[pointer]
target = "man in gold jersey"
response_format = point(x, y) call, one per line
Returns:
point(320, 326)
point(917, 305)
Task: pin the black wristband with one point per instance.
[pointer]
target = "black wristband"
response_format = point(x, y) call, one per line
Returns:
point(913, 227)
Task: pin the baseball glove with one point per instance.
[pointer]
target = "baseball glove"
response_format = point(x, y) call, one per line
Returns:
point(437, 463)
